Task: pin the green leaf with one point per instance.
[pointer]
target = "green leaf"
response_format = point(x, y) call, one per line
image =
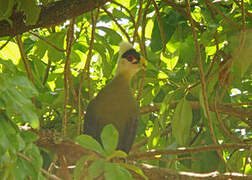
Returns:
point(96, 168)
point(31, 10)
point(181, 123)
point(115, 172)
point(75, 58)
point(16, 95)
point(29, 136)
point(209, 161)
point(119, 14)
point(187, 50)
point(21, 143)
point(117, 154)
point(40, 47)
point(8, 66)
point(32, 152)
point(19, 170)
point(6, 8)
point(202, 102)
point(79, 167)
point(243, 54)
point(90, 143)
point(169, 23)
point(237, 159)
point(155, 135)
point(24, 85)
point(11, 51)
point(109, 138)
point(135, 169)
point(100, 49)
point(113, 37)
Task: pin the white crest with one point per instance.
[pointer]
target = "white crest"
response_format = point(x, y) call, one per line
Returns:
point(124, 46)
point(123, 66)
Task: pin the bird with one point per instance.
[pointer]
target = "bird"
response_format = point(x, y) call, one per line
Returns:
point(115, 103)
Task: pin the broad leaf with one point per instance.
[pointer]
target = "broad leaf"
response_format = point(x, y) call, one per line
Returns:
point(89, 143)
point(96, 168)
point(109, 138)
point(115, 172)
point(181, 122)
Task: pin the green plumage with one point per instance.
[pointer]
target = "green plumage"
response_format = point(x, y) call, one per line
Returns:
point(115, 105)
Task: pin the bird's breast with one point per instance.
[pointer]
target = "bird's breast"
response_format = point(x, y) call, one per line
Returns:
point(116, 106)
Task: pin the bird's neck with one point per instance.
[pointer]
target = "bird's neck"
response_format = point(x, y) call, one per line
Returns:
point(124, 77)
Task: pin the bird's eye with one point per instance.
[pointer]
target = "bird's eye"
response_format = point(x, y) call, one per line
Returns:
point(130, 57)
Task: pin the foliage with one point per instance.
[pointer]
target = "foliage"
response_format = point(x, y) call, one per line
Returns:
point(195, 90)
point(103, 164)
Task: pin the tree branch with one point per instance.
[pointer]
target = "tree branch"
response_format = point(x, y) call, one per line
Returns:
point(188, 150)
point(224, 109)
point(53, 14)
point(46, 173)
point(154, 172)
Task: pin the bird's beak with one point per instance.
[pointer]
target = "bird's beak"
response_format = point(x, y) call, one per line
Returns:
point(143, 62)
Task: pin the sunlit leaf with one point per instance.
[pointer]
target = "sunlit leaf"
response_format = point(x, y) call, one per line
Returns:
point(10, 51)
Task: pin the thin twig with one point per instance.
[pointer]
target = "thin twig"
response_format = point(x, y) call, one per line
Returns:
point(160, 24)
point(86, 69)
point(67, 73)
point(50, 176)
point(26, 62)
point(239, 104)
point(47, 71)
point(115, 21)
point(220, 121)
point(70, 41)
point(143, 49)
point(144, 23)
point(78, 33)
point(137, 24)
point(48, 42)
point(222, 14)
point(203, 82)
point(6, 43)
point(128, 11)
point(197, 135)
point(24, 58)
point(202, 77)
point(140, 92)
point(168, 160)
point(208, 72)
point(238, 4)
point(243, 14)
point(181, 11)
point(212, 62)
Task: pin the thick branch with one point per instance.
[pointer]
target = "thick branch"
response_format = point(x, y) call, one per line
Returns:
point(50, 15)
point(224, 109)
point(188, 150)
point(154, 172)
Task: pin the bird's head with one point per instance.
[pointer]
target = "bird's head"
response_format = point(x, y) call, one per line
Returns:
point(129, 61)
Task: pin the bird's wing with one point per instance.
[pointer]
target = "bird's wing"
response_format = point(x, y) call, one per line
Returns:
point(91, 123)
point(128, 136)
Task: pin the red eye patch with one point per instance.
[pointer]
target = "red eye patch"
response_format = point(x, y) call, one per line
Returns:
point(130, 57)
